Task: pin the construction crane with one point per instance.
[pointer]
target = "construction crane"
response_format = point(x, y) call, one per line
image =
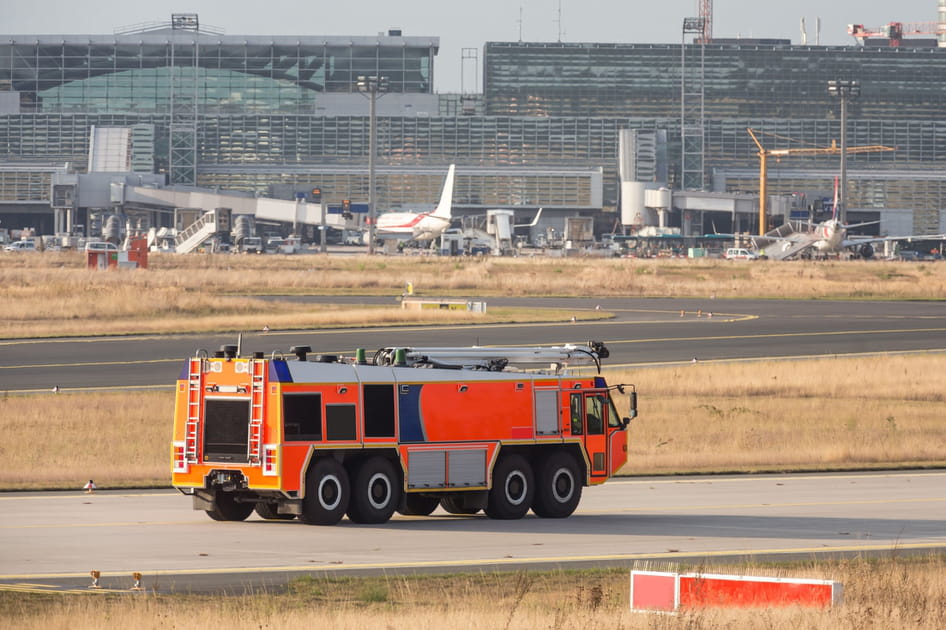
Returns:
point(764, 154)
point(705, 8)
point(895, 31)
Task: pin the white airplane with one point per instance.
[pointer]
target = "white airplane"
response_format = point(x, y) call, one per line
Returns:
point(419, 226)
point(826, 237)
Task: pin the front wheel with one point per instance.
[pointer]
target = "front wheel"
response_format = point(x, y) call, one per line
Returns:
point(326, 493)
point(558, 486)
point(376, 492)
point(226, 508)
point(511, 494)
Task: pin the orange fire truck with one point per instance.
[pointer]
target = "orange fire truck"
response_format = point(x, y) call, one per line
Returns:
point(468, 429)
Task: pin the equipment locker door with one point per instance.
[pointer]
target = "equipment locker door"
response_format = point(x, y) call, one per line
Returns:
point(596, 433)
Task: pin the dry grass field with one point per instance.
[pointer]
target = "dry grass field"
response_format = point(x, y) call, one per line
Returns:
point(833, 414)
point(826, 414)
point(878, 595)
point(53, 294)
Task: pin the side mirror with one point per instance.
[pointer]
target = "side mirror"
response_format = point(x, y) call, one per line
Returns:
point(625, 422)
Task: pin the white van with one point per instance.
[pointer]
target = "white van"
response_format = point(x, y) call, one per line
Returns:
point(740, 253)
point(101, 246)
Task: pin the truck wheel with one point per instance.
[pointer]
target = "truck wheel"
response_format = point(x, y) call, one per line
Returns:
point(226, 508)
point(270, 512)
point(418, 505)
point(326, 493)
point(558, 486)
point(454, 505)
point(375, 493)
point(511, 494)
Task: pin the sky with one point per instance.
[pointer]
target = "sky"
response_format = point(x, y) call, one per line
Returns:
point(470, 24)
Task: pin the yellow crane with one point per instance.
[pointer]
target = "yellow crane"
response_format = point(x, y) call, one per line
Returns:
point(764, 154)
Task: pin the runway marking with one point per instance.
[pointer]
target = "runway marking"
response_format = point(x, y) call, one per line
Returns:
point(780, 335)
point(505, 560)
point(89, 364)
point(50, 495)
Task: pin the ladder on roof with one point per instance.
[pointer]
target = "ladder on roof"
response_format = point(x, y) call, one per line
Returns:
point(257, 395)
point(195, 397)
point(496, 358)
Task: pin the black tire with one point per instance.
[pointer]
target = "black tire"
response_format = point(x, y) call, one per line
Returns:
point(226, 508)
point(375, 492)
point(327, 493)
point(513, 487)
point(557, 486)
point(269, 511)
point(418, 505)
point(454, 505)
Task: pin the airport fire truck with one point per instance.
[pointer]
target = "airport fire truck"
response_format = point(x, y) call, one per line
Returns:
point(406, 430)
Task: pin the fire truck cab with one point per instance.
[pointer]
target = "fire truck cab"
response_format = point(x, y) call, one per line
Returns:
point(321, 437)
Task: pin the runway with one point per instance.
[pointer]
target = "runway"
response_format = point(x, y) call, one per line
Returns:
point(52, 540)
point(642, 332)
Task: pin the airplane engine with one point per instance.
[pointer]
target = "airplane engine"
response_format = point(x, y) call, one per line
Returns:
point(866, 250)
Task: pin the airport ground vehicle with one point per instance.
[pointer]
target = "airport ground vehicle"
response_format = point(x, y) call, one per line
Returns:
point(21, 246)
point(740, 253)
point(410, 429)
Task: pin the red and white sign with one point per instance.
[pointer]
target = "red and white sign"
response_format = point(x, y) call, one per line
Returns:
point(663, 591)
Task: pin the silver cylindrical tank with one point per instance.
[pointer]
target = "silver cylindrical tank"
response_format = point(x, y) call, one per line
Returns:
point(633, 209)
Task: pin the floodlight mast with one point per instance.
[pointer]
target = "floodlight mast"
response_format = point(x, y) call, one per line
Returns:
point(372, 86)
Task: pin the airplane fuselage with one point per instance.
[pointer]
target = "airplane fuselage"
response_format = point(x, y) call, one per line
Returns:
point(413, 225)
point(831, 235)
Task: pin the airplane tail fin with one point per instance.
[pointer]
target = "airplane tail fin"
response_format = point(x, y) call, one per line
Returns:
point(443, 210)
point(834, 207)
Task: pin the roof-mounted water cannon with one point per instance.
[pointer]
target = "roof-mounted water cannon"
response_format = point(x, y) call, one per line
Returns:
point(300, 351)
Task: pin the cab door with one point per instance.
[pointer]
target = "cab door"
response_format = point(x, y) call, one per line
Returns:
point(596, 409)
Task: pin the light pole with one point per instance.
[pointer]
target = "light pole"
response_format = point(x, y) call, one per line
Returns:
point(372, 86)
point(844, 90)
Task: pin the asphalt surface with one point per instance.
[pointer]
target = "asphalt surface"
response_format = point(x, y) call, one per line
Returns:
point(52, 540)
point(642, 332)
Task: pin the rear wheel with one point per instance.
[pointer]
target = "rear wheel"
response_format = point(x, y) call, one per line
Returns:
point(226, 507)
point(454, 505)
point(511, 494)
point(327, 493)
point(270, 511)
point(418, 505)
point(557, 486)
point(376, 492)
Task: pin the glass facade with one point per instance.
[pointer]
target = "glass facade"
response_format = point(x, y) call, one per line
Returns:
point(134, 73)
point(545, 108)
point(741, 80)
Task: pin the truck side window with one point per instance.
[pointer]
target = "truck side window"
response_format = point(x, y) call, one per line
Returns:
point(594, 410)
point(575, 407)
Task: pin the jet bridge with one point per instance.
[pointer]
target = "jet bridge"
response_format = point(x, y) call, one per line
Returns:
point(296, 212)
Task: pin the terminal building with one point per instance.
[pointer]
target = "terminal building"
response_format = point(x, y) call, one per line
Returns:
point(561, 126)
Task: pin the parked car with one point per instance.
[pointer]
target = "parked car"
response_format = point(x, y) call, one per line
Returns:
point(21, 246)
